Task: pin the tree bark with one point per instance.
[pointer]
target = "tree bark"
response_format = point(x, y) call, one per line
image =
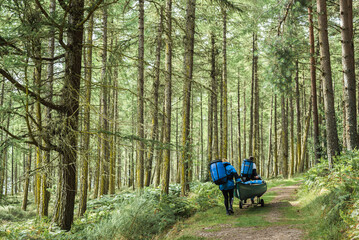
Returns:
point(252, 108)
point(45, 196)
point(314, 86)
point(292, 151)
point(188, 73)
point(284, 137)
point(239, 123)
point(256, 137)
point(270, 140)
point(168, 100)
point(275, 163)
point(140, 99)
point(224, 85)
point(214, 97)
point(105, 142)
point(156, 85)
point(349, 75)
point(27, 180)
point(331, 127)
point(70, 99)
point(87, 119)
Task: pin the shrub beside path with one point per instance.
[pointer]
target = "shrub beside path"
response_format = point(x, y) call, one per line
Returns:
point(280, 219)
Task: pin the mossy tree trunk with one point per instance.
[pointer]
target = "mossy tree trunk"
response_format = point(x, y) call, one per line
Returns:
point(156, 85)
point(313, 78)
point(188, 73)
point(270, 140)
point(284, 137)
point(140, 98)
point(87, 118)
point(105, 142)
point(166, 132)
point(224, 86)
point(275, 162)
point(239, 121)
point(70, 97)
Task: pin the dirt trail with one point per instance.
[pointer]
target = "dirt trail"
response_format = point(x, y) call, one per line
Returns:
point(285, 196)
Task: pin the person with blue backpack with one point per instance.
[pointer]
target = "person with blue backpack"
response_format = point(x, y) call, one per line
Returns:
point(222, 173)
point(249, 170)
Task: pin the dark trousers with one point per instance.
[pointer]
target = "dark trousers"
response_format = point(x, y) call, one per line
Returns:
point(228, 198)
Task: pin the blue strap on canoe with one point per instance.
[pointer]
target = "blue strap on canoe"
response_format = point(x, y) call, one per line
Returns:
point(253, 182)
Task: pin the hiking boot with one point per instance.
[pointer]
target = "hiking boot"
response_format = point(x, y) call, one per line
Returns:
point(230, 206)
point(228, 212)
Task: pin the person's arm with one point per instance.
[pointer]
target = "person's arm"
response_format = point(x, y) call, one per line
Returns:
point(254, 172)
point(234, 173)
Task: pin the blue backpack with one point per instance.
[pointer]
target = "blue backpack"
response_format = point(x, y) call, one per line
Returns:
point(218, 172)
point(246, 169)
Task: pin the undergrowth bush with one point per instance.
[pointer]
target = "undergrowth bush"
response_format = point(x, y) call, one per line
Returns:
point(128, 215)
point(337, 195)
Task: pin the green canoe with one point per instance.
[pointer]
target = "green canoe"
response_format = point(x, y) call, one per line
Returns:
point(245, 191)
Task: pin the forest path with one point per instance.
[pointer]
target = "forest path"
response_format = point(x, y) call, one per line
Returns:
point(279, 219)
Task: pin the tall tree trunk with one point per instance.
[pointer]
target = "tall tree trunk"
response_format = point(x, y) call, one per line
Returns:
point(188, 72)
point(178, 163)
point(224, 84)
point(87, 118)
point(305, 137)
point(38, 110)
point(73, 58)
point(299, 120)
point(2, 163)
point(349, 75)
point(168, 101)
point(140, 99)
point(118, 156)
point(292, 151)
point(27, 180)
point(275, 163)
point(105, 142)
point(98, 160)
point(156, 85)
point(256, 138)
point(284, 137)
point(331, 126)
point(201, 139)
point(244, 122)
point(111, 101)
point(270, 139)
point(239, 123)
point(45, 194)
point(251, 118)
point(211, 151)
point(214, 97)
point(159, 161)
point(313, 78)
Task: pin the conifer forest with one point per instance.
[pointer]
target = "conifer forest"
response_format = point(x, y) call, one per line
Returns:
point(108, 107)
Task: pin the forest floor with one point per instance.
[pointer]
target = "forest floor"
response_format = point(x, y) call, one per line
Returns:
point(280, 218)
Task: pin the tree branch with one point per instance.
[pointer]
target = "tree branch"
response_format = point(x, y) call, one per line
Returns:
point(46, 14)
point(285, 16)
point(19, 86)
point(91, 11)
